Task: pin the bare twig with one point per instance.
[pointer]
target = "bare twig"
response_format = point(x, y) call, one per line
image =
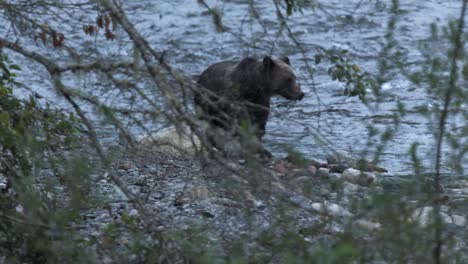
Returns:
point(451, 89)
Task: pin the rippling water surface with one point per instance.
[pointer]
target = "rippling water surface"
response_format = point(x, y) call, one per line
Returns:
point(340, 121)
point(325, 120)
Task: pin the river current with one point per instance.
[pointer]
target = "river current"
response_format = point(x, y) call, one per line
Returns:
point(325, 120)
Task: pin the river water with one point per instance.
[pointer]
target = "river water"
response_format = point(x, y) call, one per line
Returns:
point(325, 120)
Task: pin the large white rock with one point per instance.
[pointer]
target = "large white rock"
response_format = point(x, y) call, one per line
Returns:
point(172, 140)
point(330, 208)
point(351, 189)
point(425, 216)
point(358, 177)
point(368, 225)
point(341, 157)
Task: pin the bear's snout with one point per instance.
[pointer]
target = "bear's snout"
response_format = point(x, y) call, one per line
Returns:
point(300, 96)
point(292, 94)
point(295, 93)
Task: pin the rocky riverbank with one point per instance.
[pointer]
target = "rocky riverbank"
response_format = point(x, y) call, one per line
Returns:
point(331, 196)
point(311, 201)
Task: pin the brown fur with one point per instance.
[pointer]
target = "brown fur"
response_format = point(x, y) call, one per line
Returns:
point(241, 90)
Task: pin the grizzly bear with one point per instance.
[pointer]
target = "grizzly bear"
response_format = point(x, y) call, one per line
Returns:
point(240, 91)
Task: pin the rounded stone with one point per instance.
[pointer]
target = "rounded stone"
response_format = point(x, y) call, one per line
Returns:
point(358, 177)
point(323, 173)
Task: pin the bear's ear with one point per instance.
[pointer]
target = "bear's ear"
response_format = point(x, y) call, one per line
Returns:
point(268, 63)
point(286, 60)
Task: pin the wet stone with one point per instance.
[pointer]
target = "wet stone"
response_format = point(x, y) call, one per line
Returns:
point(323, 173)
point(153, 171)
point(140, 181)
point(133, 213)
point(192, 194)
point(425, 216)
point(133, 173)
point(368, 225)
point(330, 208)
point(124, 166)
point(366, 165)
point(304, 172)
point(341, 157)
point(283, 166)
point(205, 214)
point(3, 182)
point(358, 177)
point(335, 176)
point(350, 188)
point(339, 168)
point(312, 170)
point(251, 201)
point(300, 180)
point(317, 164)
point(458, 220)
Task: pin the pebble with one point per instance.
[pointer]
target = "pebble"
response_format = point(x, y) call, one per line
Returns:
point(251, 201)
point(301, 172)
point(337, 168)
point(369, 225)
point(225, 202)
point(134, 173)
point(358, 177)
point(133, 213)
point(460, 183)
point(300, 180)
point(192, 194)
point(323, 173)
point(341, 157)
point(312, 170)
point(458, 220)
point(283, 166)
point(350, 188)
point(205, 214)
point(424, 216)
point(317, 164)
point(3, 182)
point(19, 209)
point(140, 180)
point(124, 166)
point(153, 170)
point(366, 165)
point(107, 260)
point(351, 175)
point(330, 209)
point(459, 191)
point(335, 176)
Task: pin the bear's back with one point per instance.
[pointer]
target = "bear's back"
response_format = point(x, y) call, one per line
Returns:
point(216, 75)
point(234, 86)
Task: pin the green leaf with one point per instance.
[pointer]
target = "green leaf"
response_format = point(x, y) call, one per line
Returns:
point(15, 67)
point(401, 108)
point(465, 72)
point(334, 58)
point(434, 31)
point(5, 119)
point(32, 102)
point(318, 58)
point(3, 91)
point(126, 219)
point(289, 6)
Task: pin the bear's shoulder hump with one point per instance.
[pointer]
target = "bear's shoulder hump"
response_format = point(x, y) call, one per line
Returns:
point(247, 62)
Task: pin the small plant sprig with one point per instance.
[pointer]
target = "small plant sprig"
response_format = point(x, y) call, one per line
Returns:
point(342, 69)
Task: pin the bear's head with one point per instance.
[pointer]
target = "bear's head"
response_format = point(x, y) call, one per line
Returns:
point(282, 78)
